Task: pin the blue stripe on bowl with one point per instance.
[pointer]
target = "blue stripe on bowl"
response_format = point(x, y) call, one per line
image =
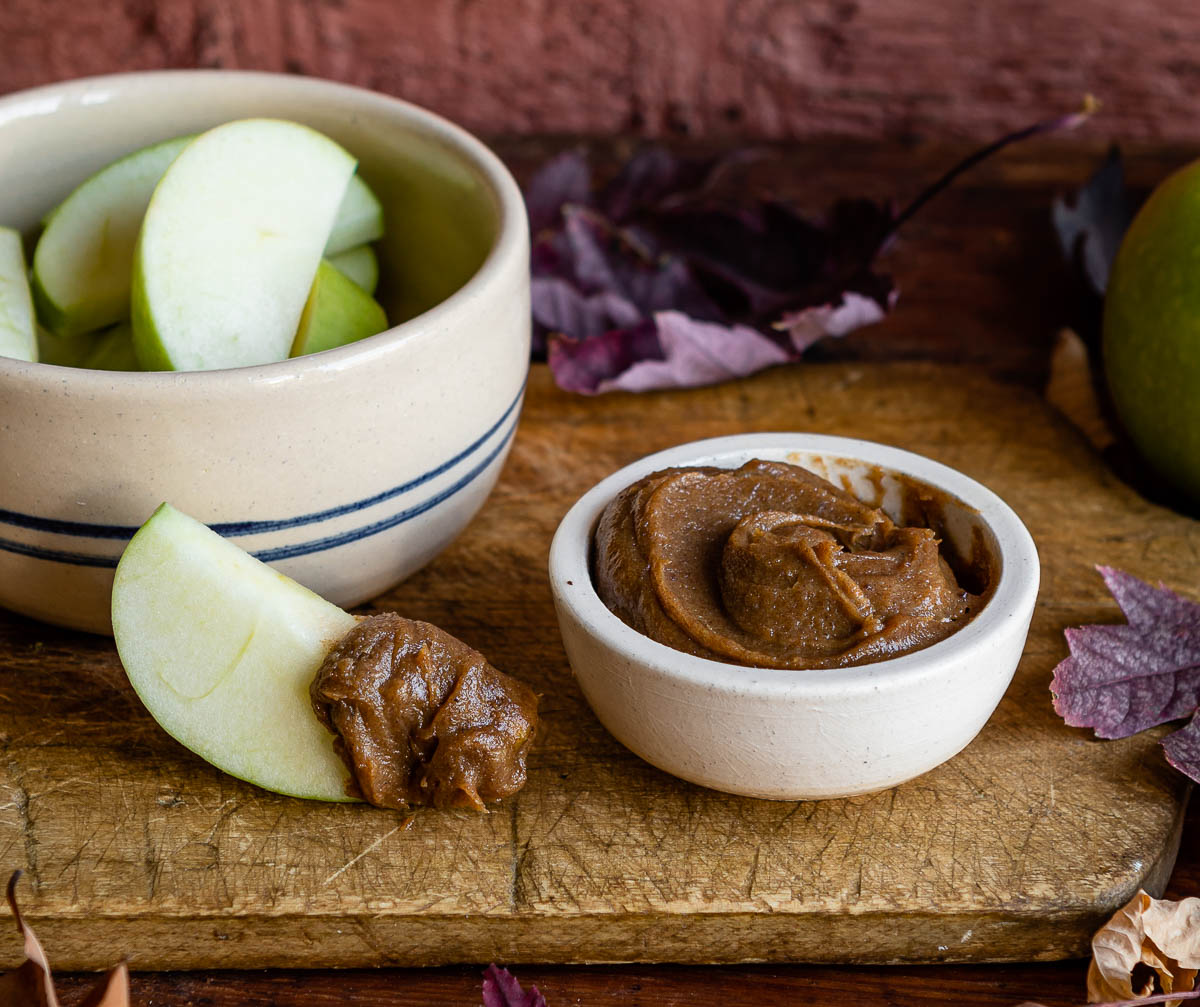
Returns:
point(57, 555)
point(233, 529)
point(345, 538)
point(314, 545)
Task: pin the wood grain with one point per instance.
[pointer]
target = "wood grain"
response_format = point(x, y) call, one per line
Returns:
point(1014, 850)
point(779, 69)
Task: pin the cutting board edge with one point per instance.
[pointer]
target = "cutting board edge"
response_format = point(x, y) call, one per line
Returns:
point(610, 939)
point(160, 945)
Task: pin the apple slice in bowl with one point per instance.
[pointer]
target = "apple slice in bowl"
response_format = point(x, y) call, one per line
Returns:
point(83, 260)
point(18, 336)
point(230, 245)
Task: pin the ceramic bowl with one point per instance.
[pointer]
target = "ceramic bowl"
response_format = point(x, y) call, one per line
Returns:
point(798, 735)
point(346, 469)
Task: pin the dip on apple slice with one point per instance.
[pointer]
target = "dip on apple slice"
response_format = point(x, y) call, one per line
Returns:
point(251, 672)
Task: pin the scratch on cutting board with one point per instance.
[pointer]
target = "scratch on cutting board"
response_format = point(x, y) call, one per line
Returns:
point(9, 805)
point(346, 866)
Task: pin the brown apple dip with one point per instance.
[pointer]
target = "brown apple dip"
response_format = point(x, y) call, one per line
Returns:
point(422, 719)
point(772, 566)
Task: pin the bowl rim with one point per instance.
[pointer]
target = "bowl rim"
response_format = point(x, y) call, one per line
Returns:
point(511, 239)
point(1014, 596)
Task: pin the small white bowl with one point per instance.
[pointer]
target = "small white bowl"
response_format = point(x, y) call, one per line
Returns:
point(346, 469)
point(799, 735)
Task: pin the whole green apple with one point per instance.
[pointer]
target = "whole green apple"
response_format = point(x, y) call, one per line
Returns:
point(1152, 331)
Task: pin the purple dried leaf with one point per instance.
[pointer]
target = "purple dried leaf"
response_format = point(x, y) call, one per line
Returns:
point(760, 263)
point(601, 256)
point(563, 179)
point(1091, 226)
point(582, 365)
point(611, 259)
point(560, 307)
point(1123, 679)
point(686, 353)
point(501, 989)
point(810, 325)
point(649, 240)
point(656, 179)
point(670, 296)
point(1183, 748)
point(698, 353)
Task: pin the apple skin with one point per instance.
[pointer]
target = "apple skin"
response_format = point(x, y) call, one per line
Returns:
point(112, 350)
point(108, 350)
point(222, 649)
point(1152, 331)
point(64, 351)
point(338, 311)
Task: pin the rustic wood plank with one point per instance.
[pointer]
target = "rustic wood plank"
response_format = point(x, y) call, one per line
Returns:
point(749, 68)
point(1013, 850)
point(1053, 984)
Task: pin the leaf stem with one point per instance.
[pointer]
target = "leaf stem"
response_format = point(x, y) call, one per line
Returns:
point(1070, 121)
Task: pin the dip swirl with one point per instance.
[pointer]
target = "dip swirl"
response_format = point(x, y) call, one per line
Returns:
point(422, 719)
point(772, 566)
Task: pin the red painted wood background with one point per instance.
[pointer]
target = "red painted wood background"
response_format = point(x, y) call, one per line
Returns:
point(771, 69)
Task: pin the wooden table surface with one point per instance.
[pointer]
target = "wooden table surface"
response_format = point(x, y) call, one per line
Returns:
point(981, 283)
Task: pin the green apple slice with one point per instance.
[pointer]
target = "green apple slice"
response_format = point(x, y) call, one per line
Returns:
point(360, 264)
point(64, 351)
point(221, 649)
point(359, 219)
point(338, 311)
point(230, 245)
point(84, 258)
point(112, 350)
point(109, 350)
point(17, 335)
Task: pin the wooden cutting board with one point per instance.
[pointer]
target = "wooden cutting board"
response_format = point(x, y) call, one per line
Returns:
point(1015, 849)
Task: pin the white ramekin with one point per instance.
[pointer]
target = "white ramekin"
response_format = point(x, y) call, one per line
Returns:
point(795, 735)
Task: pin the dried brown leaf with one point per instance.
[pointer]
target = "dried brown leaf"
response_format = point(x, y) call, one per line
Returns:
point(113, 991)
point(1158, 933)
point(1070, 390)
point(32, 985)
